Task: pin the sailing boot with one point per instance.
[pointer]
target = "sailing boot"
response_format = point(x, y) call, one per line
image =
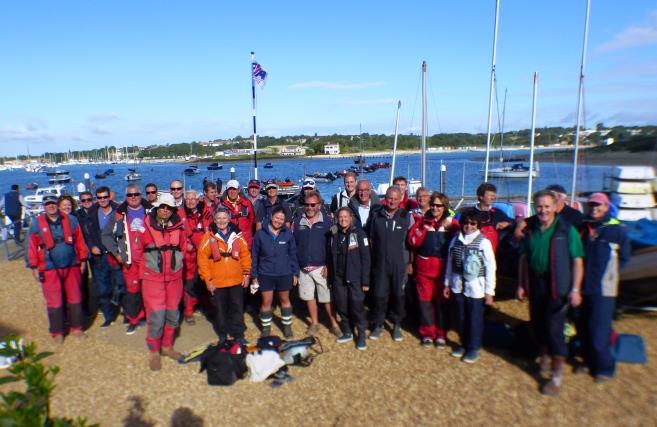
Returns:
point(265, 322)
point(361, 342)
point(552, 387)
point(286, 319)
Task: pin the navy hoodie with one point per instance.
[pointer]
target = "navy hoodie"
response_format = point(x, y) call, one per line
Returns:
point(273, 255)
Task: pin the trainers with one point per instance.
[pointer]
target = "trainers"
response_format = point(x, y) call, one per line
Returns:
point(601, 379)
point(458, 352)
point(471, 356)
point(397, 333)
point(131, 329)
point(154, 362)
point(362, 342)
point(287, 331)
point(344, 338)
point(426, 342)
point(171, 353)
point(550, 388)
point(440, 342)
point(376, 333)
point(312, 329)
point(106, 324)
point(190, 320)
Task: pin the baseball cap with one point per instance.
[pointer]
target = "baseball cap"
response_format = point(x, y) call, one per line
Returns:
point(165, 199)
point(598, 198)
point(308, 183)
point(271, 185)
point(254, 183)
point(556, 188)
point(233, 183)
point(49, 198)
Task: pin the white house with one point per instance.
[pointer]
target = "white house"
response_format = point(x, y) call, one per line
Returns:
point(292, 150)
point(332, 149)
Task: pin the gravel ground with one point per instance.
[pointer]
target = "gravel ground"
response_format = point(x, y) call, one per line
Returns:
point(106, 379)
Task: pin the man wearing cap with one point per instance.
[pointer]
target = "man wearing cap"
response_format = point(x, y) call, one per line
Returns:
point(311, 231)
point(363, 204)
point(254, 192)
point(177, 189)
point(57, 255)
point(267, 204)
point(13, 206)
point(163, 244)
point(299, 201)
point(567, 213)
point(241, 210)
point(105, 268)
point(607, 250)
point(550, 272)
point(342, 199)
point(121, 237)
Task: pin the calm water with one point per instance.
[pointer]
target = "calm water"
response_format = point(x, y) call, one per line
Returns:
point(464, 173)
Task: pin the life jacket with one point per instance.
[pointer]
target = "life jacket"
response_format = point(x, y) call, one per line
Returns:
point(46, 233)
point(467, 259)
point(231, 250)
point(161, 246)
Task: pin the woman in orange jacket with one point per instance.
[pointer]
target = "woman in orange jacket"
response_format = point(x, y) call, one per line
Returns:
point(224, 263)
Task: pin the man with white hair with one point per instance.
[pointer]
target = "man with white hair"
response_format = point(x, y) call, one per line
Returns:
point(363, 203)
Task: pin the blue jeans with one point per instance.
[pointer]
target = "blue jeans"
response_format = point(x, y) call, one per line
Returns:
point(470, 321)
point(110, 285)
point(18, 225)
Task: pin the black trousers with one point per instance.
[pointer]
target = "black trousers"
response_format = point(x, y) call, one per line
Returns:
point(548, 316)
point(389, 288)
point(229, 317)
point(348, 300)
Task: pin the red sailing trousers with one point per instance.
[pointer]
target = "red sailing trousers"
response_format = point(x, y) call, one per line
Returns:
point(429, 282)
point(161, 299)
point(58, 284)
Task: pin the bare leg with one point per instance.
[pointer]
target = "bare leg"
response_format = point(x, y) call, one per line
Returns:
point(312, 310)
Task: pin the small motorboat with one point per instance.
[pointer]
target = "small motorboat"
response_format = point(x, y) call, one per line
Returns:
point(191, 171)
point(132, 175)
point(268, 166)
point(58, 177)
point(100, 176)
point(36, 198)
point(31, 186)
point(215, 167)
point(109, 172)
point(323, 176)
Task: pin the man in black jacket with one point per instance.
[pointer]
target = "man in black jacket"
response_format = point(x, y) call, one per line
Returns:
point(388, 227)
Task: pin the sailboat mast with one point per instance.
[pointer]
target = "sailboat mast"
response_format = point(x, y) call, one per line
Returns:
point(502, 129)
point(255, 133)
point(580, 96)
point(394, 145)
point(492, 86)
point(423, 160)
point(531, 143)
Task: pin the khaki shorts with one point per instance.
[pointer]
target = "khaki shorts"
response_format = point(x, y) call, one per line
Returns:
point(309, 281)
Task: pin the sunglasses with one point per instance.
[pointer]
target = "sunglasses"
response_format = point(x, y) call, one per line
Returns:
point(133, 194)
point(594, 204)
point(312, 205)
point(85, 200)
point(437, 205)
point(176, 188)
point(169, 208)
point(151, 192)
point(102, 197)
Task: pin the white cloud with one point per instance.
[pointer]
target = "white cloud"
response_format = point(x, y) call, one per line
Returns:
point(335, 85)
point(633, 36)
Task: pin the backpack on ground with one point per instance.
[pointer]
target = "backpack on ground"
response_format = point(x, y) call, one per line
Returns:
point(224, 363)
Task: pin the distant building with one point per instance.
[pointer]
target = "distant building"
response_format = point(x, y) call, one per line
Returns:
point(332, 149)
point(292, 150)
point(216, 143)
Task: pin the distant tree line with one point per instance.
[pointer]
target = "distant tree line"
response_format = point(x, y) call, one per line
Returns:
point(625, 138)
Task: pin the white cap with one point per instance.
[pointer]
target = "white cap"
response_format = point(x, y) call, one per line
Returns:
point(308, 183)
point(165, 199)
point(233, 183)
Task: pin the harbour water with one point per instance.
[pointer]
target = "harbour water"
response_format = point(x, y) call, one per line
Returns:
point(464, 173)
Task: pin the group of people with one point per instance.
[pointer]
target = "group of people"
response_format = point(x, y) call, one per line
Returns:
point(162, 253)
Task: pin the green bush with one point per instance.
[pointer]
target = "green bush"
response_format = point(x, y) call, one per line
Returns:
point(31, 407)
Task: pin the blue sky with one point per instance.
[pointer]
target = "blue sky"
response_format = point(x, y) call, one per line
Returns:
point(80, 74)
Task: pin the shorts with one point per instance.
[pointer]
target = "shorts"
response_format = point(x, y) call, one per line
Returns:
point(275, 283)
point(311, 280)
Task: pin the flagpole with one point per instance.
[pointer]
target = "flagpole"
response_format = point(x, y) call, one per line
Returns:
point(255, 134)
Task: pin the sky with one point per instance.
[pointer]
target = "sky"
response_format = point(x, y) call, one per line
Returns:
point(86, 74)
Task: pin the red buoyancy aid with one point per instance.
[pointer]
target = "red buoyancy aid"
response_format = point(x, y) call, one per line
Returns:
point(46, 233)
point(163, 251)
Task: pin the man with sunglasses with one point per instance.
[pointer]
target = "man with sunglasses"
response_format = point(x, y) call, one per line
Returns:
point(151, 192)
point(89, 303)
point(267, 204)
point(311, 230)
point(607, 250)
point(105, 268)
point(550, 272)
point(177, 191)
point(298, 202)
point(121, 238)
point(57, 255)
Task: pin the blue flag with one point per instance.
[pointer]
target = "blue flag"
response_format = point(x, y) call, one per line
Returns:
point(258, 74)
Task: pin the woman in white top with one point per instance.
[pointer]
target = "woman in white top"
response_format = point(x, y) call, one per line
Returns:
point(470, 281)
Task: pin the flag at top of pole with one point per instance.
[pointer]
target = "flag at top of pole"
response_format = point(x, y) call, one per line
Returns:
point(259, 74)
